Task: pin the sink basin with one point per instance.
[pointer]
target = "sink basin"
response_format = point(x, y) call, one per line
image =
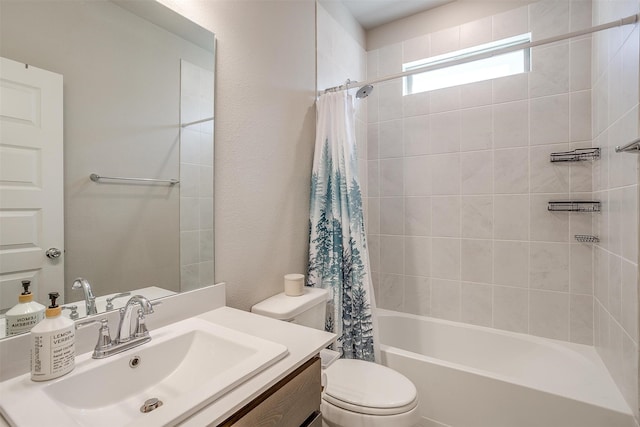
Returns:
point(186, 366)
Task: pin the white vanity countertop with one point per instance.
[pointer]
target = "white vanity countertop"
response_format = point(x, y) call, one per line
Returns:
point(302, 343)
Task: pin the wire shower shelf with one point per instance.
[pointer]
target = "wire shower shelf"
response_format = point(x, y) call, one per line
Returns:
point(577, 155)
point(574, 206)
point(585, 238)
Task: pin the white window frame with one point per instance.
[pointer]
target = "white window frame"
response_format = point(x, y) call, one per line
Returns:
point(500, 65)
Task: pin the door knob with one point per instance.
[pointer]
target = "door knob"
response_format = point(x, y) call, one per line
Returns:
point(53, 253)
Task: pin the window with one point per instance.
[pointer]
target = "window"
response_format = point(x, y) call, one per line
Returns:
point(493, 67)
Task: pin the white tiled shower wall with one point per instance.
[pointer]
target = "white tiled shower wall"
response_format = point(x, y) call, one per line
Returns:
point(196, 178)
point(459, 180)
point(615, 80)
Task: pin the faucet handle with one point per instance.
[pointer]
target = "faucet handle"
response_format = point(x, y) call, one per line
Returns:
point(74, 311)
point(110, 299)
point(155, 304)
point(104, 336)
point(104, 340)
point(141, 327)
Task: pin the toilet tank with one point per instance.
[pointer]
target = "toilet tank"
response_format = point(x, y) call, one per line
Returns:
point(307, 309)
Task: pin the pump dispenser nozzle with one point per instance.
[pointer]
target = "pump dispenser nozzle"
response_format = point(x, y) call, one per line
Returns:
point(53, 296)
point(26, 295)
point(53, 310)
point(25, 285)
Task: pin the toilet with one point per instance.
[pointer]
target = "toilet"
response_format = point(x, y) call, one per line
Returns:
point(357, 393)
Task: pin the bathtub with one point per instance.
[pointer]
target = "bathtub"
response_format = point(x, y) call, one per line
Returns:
point(471, 376)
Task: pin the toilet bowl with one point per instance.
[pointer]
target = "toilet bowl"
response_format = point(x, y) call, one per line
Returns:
point(359, 393)
point(356, 393)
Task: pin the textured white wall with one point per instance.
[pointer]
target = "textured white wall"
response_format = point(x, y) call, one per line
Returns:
point(264, 132)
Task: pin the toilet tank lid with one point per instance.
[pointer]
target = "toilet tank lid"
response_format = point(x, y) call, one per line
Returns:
point(283, 307)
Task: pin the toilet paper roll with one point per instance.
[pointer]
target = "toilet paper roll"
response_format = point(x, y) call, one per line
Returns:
point(294, 285)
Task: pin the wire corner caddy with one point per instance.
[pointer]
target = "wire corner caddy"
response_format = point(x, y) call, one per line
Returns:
point(577, 155)
point(97, 178)
point(574, 206)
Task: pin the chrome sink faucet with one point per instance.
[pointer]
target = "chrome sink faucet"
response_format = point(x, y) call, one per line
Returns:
point(127, 328)
point(89, 298)
point(130, 334)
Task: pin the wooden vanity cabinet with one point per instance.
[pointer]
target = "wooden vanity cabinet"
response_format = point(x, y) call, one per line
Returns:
point(293, 402)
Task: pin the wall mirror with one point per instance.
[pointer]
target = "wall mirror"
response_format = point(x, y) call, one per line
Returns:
point(136, 101)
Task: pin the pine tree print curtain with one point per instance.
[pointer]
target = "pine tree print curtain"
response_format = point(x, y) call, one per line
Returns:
point(338, 256)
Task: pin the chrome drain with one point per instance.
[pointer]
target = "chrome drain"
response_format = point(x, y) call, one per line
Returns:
point(134, 362)
point(150, 405)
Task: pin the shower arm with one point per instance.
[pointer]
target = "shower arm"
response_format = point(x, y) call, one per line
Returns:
point(632, 19)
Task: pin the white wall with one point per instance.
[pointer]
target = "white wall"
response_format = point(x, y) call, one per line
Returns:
point(615, 181)
point(460, 178)
point(264, 132)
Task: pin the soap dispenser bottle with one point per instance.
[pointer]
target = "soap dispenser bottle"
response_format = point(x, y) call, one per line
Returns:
point(24, 315)
point(52, 344)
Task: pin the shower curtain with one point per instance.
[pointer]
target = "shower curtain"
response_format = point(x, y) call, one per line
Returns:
point(338, 256)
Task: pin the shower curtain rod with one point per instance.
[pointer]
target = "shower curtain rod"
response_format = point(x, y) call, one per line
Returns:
point(483, 55)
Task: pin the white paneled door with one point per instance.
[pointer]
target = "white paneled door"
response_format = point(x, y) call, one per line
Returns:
point(31, 182)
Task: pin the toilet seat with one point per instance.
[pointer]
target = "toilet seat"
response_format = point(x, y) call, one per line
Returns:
point(368, 388)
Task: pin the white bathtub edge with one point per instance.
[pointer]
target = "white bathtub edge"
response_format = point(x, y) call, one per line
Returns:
point(616, 403)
